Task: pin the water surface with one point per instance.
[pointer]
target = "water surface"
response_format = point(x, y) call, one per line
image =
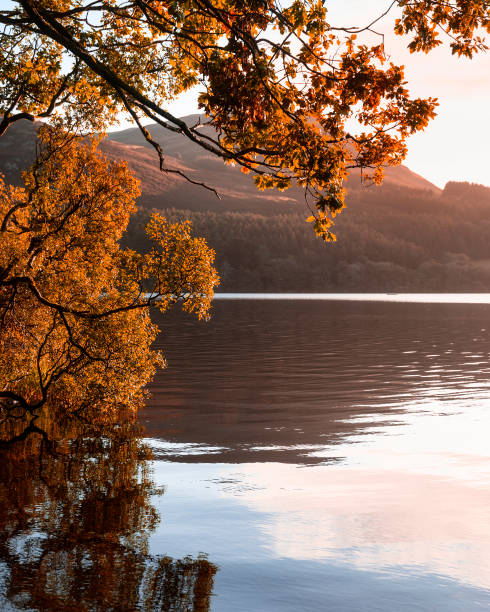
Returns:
point(308, 454)
point(328, 455)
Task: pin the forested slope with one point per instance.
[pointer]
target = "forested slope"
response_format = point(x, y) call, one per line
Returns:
point(404, 236)
point(407, 235)
point(394, 239)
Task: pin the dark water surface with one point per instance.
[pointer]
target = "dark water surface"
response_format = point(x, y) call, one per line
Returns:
point(328, 455)
point(309, 455)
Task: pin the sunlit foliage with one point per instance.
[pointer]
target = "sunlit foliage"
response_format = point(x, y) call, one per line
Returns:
point(293, 98)
point(74, 313)
point(464, 21)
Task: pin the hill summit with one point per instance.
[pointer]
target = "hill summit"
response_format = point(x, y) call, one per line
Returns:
point(237, 190)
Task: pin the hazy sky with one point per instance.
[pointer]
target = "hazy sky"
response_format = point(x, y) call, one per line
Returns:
point(456, 144)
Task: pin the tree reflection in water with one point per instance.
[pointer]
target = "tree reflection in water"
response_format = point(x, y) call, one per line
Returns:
point(75, 517)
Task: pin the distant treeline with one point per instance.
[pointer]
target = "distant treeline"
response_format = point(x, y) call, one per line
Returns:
point(389, 239)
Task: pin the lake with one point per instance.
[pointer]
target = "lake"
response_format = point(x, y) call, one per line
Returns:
point(328, 455)
point(309, 454)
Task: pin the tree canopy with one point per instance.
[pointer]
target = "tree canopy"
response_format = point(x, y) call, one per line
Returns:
point(292, 97)
point(74, 318)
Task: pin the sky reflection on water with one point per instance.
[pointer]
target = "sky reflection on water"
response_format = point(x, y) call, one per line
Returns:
point(328, 455)
point(405, 298)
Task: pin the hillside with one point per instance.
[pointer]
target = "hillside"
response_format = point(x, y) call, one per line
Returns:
point(237, 190)
point(410, 241)
point(407, 235)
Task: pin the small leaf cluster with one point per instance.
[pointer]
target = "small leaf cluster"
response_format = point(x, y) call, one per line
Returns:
point(464, 21)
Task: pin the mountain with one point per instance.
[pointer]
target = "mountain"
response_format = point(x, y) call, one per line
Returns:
point(237, 190)
point(406, 235)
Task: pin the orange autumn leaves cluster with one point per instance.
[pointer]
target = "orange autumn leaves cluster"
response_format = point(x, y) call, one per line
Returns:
point(465, 21)
point(75, 326)
point(282, 85)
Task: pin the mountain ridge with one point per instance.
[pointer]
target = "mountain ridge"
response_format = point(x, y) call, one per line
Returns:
point(229, 181)
point(406, 235)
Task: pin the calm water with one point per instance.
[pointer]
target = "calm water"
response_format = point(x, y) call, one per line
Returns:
point(309, 455)
point(328, 455)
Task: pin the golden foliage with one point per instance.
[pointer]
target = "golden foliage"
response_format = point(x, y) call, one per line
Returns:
point(74, 305)
point(282, 86)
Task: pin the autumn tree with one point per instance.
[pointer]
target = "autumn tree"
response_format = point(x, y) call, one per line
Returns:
point(74, 320)
point(282, 86)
